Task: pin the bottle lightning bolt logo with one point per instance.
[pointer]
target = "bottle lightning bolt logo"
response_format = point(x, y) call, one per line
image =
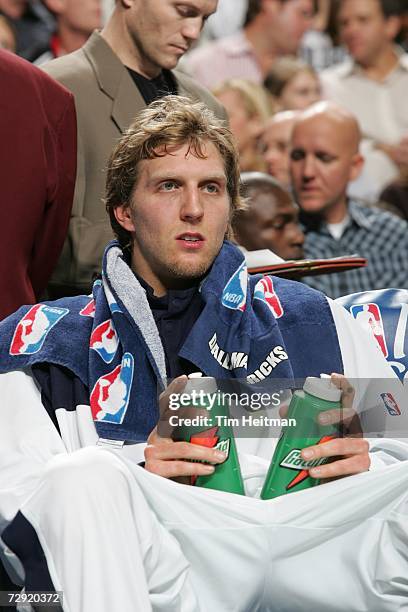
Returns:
point(294, 460)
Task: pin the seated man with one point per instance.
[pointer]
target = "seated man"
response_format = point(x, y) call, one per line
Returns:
point(79, 386)
point(271, 219)
point(324, 158)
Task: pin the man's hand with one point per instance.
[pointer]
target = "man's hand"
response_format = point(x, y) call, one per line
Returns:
point(352, 452)
point(170, 459)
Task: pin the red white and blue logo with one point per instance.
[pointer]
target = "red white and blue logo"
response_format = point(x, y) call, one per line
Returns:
point(110, 396)
point(89, 309)
point(265, 291)
point(33, 328)
point(390, 404)
point(369, 315)
point(104, 340)
point(235, 291)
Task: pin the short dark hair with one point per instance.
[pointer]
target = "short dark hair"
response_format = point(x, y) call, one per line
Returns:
point(168, 122)
point(392, 8)
point(259, 182)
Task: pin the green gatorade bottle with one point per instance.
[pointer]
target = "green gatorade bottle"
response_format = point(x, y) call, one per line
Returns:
point(288, 472)
point(216, 433)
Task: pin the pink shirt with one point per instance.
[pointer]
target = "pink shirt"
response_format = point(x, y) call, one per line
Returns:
point(226, 58)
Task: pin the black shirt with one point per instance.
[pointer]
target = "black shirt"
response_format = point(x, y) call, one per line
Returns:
point(152, 89)
point(175, 314)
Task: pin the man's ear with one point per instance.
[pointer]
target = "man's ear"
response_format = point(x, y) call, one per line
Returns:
point(357, 163)
point(393, 26)
point(124, 217)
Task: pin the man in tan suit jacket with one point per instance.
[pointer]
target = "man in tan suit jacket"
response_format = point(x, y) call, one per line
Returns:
point(113, 76)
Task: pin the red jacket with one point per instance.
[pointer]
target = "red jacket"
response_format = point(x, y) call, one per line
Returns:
point(37, 178)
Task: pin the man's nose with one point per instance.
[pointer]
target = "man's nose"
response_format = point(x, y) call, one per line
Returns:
point(308, 168)
point(297, 236)
point(192, 28)
point(191, 206)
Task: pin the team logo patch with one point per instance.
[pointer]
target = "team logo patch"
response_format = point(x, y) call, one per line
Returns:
point(369, 315)
point(104, 340)
point(33, 328)
point(264, 291)
point(390, 404)
point(88, 310)
point(235, 291)
point(110, 395)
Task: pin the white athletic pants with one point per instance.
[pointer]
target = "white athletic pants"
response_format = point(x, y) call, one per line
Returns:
point(117, 538)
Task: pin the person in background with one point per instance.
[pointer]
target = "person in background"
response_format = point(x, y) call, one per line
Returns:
point(292, 84)
point(38, 163)
point(8, 40)
point(271, 219)
point(274, 145)
point(75, 21)
point(33, 24)
point(248, 108)
point(324, 158)
point(115, 74)
point(272, 28)
point(373, 85)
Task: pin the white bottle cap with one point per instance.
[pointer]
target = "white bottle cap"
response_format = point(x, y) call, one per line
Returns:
point(322, 388)
point(198, 382)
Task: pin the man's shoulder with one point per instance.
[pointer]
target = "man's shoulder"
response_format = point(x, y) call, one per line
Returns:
point(213, 48)
point(388, 225)
point(69, 69)
point(338, 72)
point(191, 88)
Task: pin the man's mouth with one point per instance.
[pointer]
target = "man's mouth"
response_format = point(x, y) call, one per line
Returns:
point(191, 240)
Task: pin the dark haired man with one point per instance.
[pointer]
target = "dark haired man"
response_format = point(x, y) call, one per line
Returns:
point(81, 377)
point(272, 28)
point(373, 86)
point(271, 220)
point(114, 75)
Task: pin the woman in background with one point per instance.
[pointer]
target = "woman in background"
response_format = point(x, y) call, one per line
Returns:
point(248, 107)
point(293, 84)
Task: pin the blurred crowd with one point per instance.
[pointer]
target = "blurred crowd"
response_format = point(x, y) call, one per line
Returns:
point(315, 95)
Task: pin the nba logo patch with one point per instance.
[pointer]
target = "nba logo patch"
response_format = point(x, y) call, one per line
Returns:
point(110, 396)
point(104, 340)
point(390, 404)
point(88, 310)
point(33, 328)
point(264, 291)
point(235, 291)
point(369, 316)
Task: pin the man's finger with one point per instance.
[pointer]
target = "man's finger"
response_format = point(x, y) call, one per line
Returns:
point(174, 469)
point(338, 446)
point(342, 467)
point(183, 450)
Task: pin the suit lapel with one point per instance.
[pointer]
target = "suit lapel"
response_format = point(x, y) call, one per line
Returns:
point(114, 80)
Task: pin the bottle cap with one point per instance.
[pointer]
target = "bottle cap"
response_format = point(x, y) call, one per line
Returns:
point(322, 388)
point(200, 383)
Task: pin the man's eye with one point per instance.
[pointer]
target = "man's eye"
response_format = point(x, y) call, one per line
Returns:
point(297, 154)
point(168, 185)
point(212, 188)
point(186, 11)
point(325, 157)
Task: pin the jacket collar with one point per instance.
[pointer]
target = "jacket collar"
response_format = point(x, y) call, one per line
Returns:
point(114, 80)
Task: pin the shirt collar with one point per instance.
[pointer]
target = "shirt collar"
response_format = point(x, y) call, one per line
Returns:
point(358, 214)
point(350, 67)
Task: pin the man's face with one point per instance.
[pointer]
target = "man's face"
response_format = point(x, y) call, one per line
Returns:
point(322, 162)
point(291, 21)
point(178, 216)
point(275, 142)
point(364, 29)
point(82, 16)
point(273, 224)
point(163, 30)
